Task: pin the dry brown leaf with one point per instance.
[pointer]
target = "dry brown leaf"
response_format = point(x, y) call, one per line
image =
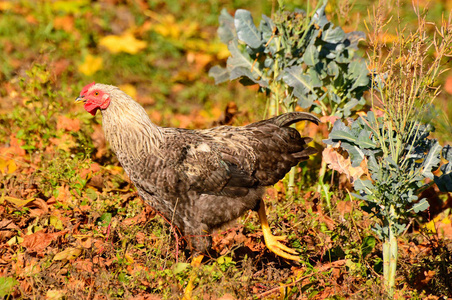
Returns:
point(65, 142)
point(7, 229)
point(64, 194)
point(14, 148)
point(39, 241)
point(84, 265)
point(344, 207)
point(338, 163)
point(55, 294)
point(38, 207)
point(331, 119)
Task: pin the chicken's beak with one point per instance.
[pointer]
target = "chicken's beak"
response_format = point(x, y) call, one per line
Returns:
point(80, 99)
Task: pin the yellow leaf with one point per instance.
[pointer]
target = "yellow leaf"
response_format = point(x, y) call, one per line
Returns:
point(129, 258)
point(15, 240)
point(69, 253)
point(129, 90)
point(431, 226)
point(56, 223)
point(55, 295)
point(6, 5)
point(7, 166)
point(122, 43)
point(16, 201)
point(91, 65)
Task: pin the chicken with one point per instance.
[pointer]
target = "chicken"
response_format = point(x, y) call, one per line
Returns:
point(200, 179)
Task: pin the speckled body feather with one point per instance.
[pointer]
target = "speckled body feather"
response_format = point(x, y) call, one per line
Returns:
point(201, 179)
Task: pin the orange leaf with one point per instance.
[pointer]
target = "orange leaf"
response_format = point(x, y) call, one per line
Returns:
point(65, 23)
point(448, 85)
point(68, 124)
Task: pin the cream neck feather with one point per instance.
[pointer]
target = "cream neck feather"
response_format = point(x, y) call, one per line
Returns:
point(127, 126)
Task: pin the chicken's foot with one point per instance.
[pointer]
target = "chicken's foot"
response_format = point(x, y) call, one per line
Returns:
point(271, 241)
point(195, 263)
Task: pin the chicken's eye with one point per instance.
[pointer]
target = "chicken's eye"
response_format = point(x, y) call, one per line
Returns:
point(96, 93)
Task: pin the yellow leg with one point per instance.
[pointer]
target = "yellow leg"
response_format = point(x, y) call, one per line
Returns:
point(271, 241)
point(195, 263)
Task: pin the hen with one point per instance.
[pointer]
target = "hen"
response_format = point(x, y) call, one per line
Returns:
point(200, 179)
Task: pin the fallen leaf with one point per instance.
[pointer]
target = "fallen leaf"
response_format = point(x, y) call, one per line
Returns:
point(65, 142)
point(129, 90)
point(68, 124)
point(55, 294)
point(344, 207)
point(122, 43)
point(6, 285)
point(8, 229)
point(84, 265)
point(5, 5)
point(63, 194)
point(7, 166)
point(14, 148)
point(56, 222)
point(16, 201)
point(337, 162)
point(69, 253)
point(65, 23)
point(38, 207)
point(90, 65)
point(441, 225)
point(331, 119)
point(40, 240)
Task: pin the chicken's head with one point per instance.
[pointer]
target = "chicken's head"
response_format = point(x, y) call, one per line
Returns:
point(94, 98)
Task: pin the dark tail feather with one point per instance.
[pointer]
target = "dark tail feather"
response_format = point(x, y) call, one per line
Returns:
point(304, 155)
point(288, 119)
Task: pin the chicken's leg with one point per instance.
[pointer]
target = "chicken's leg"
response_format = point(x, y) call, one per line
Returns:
point(271, 241)
point(195, 263)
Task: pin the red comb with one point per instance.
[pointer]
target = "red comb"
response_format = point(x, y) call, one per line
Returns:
point(87, 87)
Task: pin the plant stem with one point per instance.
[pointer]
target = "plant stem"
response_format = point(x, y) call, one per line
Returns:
point(390, 256)
point(292, 173)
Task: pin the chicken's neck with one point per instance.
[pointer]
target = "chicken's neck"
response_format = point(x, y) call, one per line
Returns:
point(129, 130)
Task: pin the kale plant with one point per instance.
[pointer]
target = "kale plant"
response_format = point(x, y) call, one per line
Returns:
point(391, 151)
point(297, 59)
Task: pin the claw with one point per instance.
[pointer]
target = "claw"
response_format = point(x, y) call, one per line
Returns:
point(195, 263)
point(272, 241)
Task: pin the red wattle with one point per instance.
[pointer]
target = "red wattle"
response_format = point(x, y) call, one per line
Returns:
point(91, 108)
